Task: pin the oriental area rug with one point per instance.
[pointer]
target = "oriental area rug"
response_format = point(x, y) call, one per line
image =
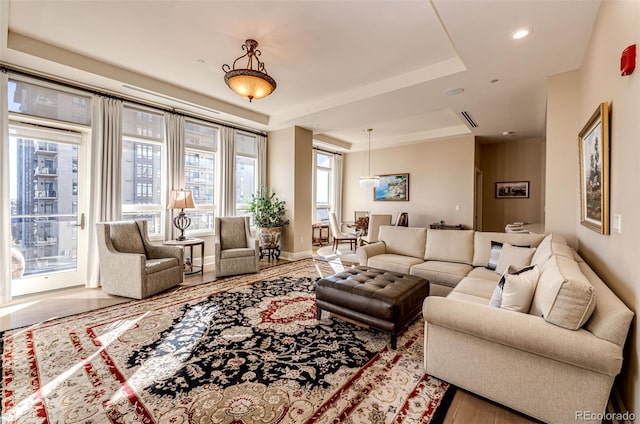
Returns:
point(238, 350)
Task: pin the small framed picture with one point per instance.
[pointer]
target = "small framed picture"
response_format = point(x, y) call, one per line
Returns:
point(594, 171)
point(512, 190)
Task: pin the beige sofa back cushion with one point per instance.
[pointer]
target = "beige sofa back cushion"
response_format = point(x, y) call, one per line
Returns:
point(482, 243)
point(449, 246)
point(564, 296)
point(408, 241)
point(550, 245)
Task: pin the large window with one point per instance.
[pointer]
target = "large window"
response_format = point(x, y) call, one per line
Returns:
point(246, 170)
point(142, 176)
point(201, 144)
point(323, 185)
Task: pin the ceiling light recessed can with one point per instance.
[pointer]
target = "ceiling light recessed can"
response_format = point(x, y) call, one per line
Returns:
point(508, 133)
point(495, 80)
point(521, 33)
point(454, 91)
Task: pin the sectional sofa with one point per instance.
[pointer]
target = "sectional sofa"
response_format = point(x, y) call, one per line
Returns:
point(555, 361)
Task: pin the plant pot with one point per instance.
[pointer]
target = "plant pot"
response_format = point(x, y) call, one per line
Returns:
point(269, 237)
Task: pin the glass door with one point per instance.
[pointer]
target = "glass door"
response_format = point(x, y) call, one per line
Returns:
point(47, 216)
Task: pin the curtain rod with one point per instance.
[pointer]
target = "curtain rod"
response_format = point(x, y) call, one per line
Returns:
point(123, 97)
point(326, 151)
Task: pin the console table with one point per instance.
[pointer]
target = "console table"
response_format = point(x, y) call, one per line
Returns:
point(189, 267)
point(439, 226)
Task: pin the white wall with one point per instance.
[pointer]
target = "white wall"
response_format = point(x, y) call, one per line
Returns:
point(441, 177)
point(614, 257)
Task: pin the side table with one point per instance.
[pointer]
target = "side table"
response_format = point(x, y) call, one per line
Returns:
point(322, 235)
point(188, 265)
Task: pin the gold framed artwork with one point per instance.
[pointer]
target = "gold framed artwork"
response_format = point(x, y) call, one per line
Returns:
point(392, 187)
point(594, 171)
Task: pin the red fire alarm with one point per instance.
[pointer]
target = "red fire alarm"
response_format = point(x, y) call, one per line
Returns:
point(628, 60)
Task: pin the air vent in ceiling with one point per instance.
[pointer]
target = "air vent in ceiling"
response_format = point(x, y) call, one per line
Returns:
point(467, 117)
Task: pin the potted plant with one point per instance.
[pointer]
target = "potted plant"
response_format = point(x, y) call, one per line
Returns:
point(268, 215)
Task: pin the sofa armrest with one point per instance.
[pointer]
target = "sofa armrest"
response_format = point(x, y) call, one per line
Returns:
point(524, 332)
point(373, 249)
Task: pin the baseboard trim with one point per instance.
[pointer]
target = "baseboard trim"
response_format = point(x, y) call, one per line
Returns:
point(295, 256)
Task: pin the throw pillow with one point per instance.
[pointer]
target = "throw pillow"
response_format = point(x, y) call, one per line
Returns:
point(514, 255)
point(515, 290)
point(496, 246)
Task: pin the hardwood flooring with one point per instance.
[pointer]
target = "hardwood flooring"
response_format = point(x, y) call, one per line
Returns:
point(29, 310)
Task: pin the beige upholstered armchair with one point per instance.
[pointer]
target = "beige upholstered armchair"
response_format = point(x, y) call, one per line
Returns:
point(130, 266)
point(236, 252)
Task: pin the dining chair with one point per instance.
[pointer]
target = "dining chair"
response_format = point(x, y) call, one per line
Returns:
point(339, 236)
point(375, 221)
point(360, 214)
point(403, 219)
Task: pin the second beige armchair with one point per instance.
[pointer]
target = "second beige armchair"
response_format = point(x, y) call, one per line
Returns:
point(235, 250)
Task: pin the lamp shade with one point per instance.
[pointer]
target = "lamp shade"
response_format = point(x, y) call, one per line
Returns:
point(180, 199)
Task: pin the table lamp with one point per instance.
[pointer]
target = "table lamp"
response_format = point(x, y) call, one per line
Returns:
point(180, 199)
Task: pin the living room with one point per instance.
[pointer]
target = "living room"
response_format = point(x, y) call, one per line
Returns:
point(440, 190)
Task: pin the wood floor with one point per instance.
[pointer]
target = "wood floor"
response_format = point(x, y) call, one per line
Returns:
point(24, 311)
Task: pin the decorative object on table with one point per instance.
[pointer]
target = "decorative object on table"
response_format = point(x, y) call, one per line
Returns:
point(594, 171)
point(403, 220)
point(269, 216)
point(359, 214)
point(235, 250)
point(370, 180)
point(512, 190)
point(181, 199)
point(444, 226)
point(392, 187)
point(244, 349)
point(362, 224)
point(17, 264)
point(250, 82)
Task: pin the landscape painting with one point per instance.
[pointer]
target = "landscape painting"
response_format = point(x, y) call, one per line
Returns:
point(392, 187)
point(594, 171)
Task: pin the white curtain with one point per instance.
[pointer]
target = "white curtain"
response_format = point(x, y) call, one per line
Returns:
point(5, 212)
point(262, 160)
point(227, 166)
point(174, 135)
point(105, 193)
point(338, 165)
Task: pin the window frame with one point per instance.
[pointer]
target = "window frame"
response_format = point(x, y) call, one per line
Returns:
point(242, 209)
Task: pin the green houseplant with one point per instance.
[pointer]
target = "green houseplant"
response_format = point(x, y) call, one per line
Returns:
point(268, 215)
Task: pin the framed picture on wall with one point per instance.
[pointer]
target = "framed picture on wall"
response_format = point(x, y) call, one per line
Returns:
point(392, 187)
point(594, 171)
point(512, 190)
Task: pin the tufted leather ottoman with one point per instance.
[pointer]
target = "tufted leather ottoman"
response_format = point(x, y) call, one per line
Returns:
point(385, 300)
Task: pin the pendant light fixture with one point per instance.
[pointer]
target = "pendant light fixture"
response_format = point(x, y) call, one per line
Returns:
point(249, 82)
point(370, 180)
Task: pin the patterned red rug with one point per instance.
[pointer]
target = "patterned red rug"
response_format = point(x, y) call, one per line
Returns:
point(238, 350)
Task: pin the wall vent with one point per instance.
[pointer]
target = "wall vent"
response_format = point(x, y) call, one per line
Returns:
point(467, 117)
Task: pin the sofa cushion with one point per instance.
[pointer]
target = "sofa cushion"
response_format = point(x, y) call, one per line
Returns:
point(496, 247)
point(484, 273)
point(519, 257)
point(482, 243)
point(241, 252)
point(515, 289)
point(126, 238)
point(475, 290)
point(157, 265)
point(444, 273)
point(449, 246)
point(564, 296)
point(545, 250)
point(407, 241)
point(393, 262)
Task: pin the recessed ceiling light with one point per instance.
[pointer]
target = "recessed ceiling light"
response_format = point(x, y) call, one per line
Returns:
point(200, 60)
point(521, 33)
point(454, 91)
point(495, 80)
point(508, 133)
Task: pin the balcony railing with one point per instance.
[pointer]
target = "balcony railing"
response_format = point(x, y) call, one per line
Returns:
point(46, 194)
point(40, 171)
